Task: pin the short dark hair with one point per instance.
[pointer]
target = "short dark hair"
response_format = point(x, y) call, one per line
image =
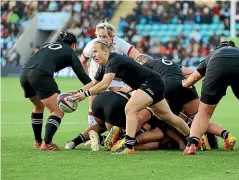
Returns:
point(226, 43)
point(66, 37)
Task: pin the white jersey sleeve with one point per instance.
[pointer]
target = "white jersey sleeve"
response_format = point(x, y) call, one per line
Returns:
point(121, 46)
point(87, 51)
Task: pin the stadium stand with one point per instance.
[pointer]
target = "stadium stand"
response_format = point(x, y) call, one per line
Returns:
point(15, 16)
point(182, 31)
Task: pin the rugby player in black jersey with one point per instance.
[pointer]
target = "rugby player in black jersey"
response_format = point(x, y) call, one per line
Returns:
point(179, 97)
point(149, 88)
point(220, 69)
point(37, 81)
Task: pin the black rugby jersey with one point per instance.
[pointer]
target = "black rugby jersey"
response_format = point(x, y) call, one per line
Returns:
point(166, 68)
point(52, 57)
point(219, 57)
point(127, 70)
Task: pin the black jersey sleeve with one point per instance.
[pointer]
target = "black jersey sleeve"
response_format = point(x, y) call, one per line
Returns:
point(114, 65)
point(78, 69)
point(202, 68)
point(100, 73)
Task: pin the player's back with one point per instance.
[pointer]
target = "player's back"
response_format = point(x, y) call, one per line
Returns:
point(226, 52)
point(220, 57)
point(50, 58)
point(129, 71)
point(166, 68)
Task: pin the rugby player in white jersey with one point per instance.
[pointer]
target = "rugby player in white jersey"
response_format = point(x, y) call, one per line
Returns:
point(105, 30)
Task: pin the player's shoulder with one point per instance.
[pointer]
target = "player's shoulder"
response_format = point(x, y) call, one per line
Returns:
point(91, 42)
point(115, 55)
point(119, 41)
point(87, 51)
point(56, 47)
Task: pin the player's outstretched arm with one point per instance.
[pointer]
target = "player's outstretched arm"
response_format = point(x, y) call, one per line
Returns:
point(134, 53)
point(79, 70)
point(84, 61)
point(192, 79)
point(96, 89)
point(85, 88)
point(102, 85)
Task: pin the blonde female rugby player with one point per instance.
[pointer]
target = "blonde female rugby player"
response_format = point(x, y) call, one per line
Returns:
point(105, 30)
point(148, 84)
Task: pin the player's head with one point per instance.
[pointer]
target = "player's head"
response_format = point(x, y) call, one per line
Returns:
point(105, 30)
point(143, 58)
point(101, 50)
point(226, 43)
point(67, 38)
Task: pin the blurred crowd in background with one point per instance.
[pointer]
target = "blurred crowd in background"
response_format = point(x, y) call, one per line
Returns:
point(14, 17)
point(185, 47)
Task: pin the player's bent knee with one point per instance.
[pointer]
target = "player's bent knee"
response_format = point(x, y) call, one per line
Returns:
point(168, 117)
point(55, 110)
point(99, 121)
point(130, 111)
point(58, 113)
point(38, 108)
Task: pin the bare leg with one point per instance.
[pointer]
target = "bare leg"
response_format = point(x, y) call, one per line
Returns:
point(133, 106)
point(53, 122)
point(96, 127)
point(150, 136)
point(214, 128)
point(163, 112)
point(108, 126)
point(191, 108)
point(177, 138)
point(200, 122)
point(143, 117)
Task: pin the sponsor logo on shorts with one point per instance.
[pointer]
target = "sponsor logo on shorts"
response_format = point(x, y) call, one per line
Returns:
point(150, 91)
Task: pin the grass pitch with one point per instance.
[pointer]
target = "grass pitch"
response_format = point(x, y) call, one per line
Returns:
point(21, 161)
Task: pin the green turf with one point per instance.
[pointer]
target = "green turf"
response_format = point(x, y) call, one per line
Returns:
point(20, 161)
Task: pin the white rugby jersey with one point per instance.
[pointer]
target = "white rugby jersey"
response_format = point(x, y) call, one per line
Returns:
point(120, 46)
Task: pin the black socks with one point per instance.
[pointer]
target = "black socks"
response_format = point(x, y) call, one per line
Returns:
point(53, 122)
point(37, 119)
